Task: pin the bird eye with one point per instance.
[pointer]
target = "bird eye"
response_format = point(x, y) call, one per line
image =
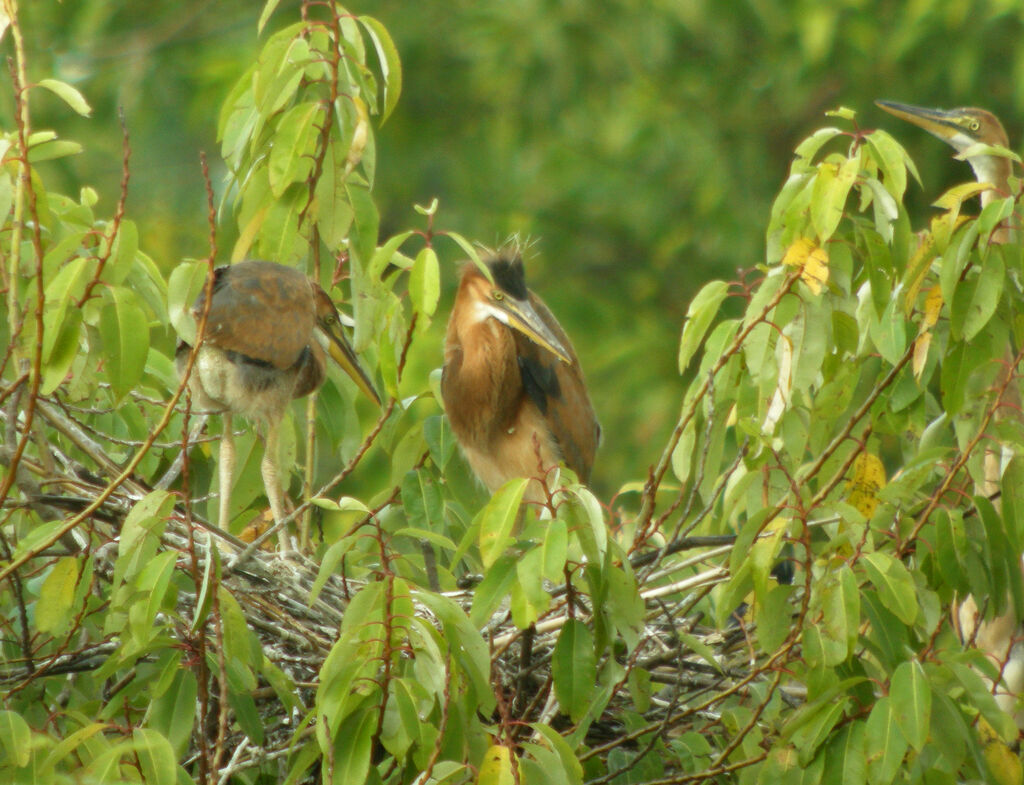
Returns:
point(975, 125)
point(498, 295)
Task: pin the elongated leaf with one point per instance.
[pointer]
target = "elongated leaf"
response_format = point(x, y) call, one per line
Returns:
point(846, 757)
point(894, 584)
point(56, 595)
point(125, 333)
point(155, 756)
point(353, 745)
point(67, 94)
point(884, 742)
point(496, 767)
point(425, 282)
point(498, 518)
point(295, 141)
point(703, 309)
point(390, 64)
point(492, 590)
point(574, 668)
point(911, 702)
point(976, 300)
point(14, 736)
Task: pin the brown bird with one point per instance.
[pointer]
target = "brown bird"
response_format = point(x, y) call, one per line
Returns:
point(999, 638)
point(512, 385)
point(267, 330)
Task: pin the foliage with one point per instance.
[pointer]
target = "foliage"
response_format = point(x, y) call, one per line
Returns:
point(841, 397)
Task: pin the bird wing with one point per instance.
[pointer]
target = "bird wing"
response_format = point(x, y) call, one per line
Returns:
point(559, 392)
point(261, 310)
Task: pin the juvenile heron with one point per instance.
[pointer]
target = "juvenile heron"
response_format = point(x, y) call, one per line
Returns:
point(268, 331)
point(962, 129)
point(1001, 637)
point(512, 386)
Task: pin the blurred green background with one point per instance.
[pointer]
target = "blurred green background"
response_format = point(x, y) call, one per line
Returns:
point(639, 143)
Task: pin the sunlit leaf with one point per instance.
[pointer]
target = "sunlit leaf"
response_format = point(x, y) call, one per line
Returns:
point(67, 94)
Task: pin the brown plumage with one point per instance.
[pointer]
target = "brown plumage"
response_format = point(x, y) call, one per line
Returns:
point(512, 385)
point(269, 329)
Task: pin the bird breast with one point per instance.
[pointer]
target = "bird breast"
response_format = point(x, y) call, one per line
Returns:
point(224, 380)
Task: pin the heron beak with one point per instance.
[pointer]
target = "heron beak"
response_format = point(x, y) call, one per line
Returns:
point(343, 354)
point(521, 316)
point(937, 122)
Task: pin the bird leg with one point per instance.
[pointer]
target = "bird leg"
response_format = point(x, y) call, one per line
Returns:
point(272, 485)
point(226, 469)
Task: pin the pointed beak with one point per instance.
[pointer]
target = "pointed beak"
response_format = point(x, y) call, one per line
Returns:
point(344, 355)
point(523, 317)
point(938, 122)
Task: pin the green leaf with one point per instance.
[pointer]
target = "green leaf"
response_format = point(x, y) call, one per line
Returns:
point(840, 603)
point(813, 725)
point(465, 643)
point(390, 64)
point(49, 151)
point(977, 298)
point(828, 200)
point(353, 744)
point(56, 595)
point(156, 757)
point(173, 713)
point(439, 438)
point(268, 9)
point(911, 702)
point(493, 589)
point(884, 742)
point(385, 255)
point(893, 160)
point(704, 307)
point(498, 518)
point(124, 330)
point(846, 757)
point(15, 736)
point(425, 282)
point(421, 499)
point(574, 668)
point(67, 94)
point(894, 584)
point(293, 146)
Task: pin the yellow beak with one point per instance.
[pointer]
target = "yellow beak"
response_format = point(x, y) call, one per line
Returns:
point(344, 355)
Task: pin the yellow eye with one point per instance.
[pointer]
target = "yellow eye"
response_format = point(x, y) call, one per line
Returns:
point(975, 125)
point(498, 295)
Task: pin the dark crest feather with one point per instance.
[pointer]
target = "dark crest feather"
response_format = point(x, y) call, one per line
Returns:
point(508, 275)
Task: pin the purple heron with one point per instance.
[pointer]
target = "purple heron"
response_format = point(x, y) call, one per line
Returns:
point(269, 329)
point(1000, 638)
point(962, 129)
point(512, 385)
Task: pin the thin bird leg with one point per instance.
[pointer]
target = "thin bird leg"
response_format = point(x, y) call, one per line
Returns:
point(272, 485)
point(226, 470)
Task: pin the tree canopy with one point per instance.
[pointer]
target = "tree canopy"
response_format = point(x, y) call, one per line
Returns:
point(802, 374)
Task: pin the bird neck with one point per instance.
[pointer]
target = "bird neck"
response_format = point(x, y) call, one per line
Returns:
point(996, 170)
point(311, 370)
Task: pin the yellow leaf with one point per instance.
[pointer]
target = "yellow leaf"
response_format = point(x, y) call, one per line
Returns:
point(812, 261)
point(496, 768)
point(921, 344)
point(958, 194)
point(932, 306)
point(798, 252)
point(56, 596)
point(1002, 762)
point(868, 479)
